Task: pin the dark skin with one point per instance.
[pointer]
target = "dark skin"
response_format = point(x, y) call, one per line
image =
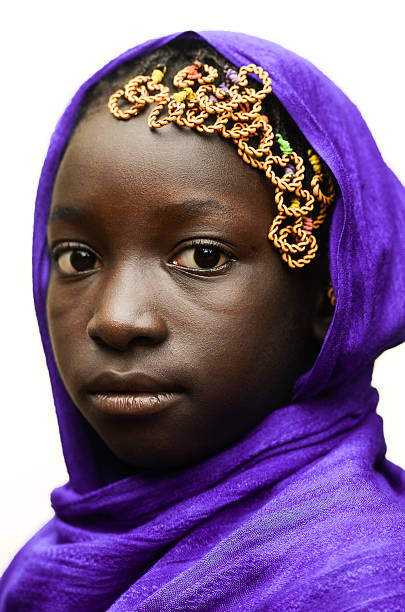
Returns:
point(235, 334)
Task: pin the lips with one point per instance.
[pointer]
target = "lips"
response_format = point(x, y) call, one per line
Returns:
point(132, 393)
point(130, 382)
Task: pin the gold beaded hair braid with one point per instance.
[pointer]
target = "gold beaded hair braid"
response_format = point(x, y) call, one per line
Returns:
point(233, 109)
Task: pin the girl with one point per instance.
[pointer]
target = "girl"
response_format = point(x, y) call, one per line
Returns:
point(213, 391)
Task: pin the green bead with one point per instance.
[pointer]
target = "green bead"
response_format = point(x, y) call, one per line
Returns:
point(284, 144)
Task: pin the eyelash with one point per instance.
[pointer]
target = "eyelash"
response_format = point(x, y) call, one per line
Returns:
point(57, 251)
point(195, 242)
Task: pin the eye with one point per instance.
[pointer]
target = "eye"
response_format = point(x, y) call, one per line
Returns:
point(72, 259)
point(203, 255)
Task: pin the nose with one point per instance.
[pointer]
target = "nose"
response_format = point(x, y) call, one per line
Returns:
point(128, 311)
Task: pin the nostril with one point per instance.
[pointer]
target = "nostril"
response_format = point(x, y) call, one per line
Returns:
point(98, 341)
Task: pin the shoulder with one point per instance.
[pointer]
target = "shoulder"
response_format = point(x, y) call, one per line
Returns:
point(344, 548)
point(365, 581)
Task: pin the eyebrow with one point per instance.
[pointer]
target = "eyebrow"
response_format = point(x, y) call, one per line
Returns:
point(61, 212)
point(74, 212)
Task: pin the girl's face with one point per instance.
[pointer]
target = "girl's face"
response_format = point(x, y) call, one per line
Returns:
point(167, 272)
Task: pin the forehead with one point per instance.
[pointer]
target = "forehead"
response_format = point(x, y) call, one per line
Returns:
point(116, 161)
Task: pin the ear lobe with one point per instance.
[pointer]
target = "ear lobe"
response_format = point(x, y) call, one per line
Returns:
point(322, 315)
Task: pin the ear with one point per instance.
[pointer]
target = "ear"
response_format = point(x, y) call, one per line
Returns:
point(322, 314)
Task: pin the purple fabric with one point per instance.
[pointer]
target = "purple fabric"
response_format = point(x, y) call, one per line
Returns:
point(303, 513)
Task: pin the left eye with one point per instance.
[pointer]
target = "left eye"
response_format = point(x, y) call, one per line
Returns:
point(202, 256)
point(75, 260)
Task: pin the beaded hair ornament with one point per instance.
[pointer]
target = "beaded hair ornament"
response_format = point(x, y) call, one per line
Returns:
point(233, 109)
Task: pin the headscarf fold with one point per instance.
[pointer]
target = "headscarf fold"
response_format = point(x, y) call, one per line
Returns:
point(304, 512)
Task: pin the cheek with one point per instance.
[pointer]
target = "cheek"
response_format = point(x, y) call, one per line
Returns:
point(244, 332)
point(65, 317)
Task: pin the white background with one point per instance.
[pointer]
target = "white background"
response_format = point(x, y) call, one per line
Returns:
point(49, 49)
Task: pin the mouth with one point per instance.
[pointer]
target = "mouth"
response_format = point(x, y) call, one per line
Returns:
point(134, 403)
point(132, 393)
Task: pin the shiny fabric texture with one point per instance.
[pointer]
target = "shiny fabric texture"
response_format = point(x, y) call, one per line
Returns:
point(304, 512)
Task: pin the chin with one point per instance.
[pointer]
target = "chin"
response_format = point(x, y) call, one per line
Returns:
point(159, 460)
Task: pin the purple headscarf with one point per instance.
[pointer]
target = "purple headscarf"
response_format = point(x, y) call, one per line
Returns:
point(304, 512)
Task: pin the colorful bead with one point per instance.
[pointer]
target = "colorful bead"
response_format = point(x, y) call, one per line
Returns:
point(231, 74)
point(284, 145)
point(307, 224)
point(186, 94)
point(195, 71)
point(158, 74)
point(315, 162)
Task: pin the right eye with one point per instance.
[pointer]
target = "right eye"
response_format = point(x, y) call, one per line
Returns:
point(72, 260)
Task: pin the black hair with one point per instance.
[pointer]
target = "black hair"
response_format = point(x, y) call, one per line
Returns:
point(175, 55)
